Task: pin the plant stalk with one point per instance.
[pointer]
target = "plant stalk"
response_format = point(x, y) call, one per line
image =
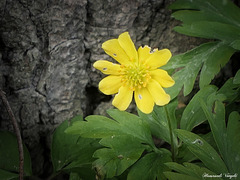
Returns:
point(171, 135)
point(17, 131)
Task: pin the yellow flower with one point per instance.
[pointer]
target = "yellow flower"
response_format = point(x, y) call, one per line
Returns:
point(137, 73)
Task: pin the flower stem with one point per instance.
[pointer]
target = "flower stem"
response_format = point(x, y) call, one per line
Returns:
point(171, 134)
point(17, 131)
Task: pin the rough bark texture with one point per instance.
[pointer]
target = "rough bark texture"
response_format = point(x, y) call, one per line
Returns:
point(46, 53)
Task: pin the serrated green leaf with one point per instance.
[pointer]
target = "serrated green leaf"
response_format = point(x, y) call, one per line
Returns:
point(214, 62)
point(206, 19)
point(225, 9)
point(210, 30)
point(95, 127)
point(150, 167)
point(190, 169)
point(121, 152)
point(123, 124)
point(7, 175)
point(202, 150)
point(9, 154)
point(187, 75)
point(206, 56)
point(225, 12)
point(85, 148)
point(191, 16)
point(140, 131)
point(193, 113)
point(71, 151)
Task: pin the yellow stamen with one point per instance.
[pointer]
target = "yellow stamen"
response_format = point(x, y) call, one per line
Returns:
point(135, 76)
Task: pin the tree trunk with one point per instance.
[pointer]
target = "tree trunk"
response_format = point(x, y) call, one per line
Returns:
point(47, 49)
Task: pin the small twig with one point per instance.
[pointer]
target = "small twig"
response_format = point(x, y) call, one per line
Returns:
point(17, 131)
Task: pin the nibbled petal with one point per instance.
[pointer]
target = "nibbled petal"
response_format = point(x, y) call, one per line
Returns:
point(110, 84)
point(107, 67)
point(143, 53)
point(113, 49)
point(162, 78)
point(123, 98)
point(159, 95)
point(158, 58)
point(144, 100)
point(126, 43)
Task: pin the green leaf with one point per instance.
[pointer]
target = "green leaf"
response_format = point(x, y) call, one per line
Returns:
point(206, 19)
point(81, 173)
point(193, 113)
point(227, 139)
point(211, 30)
point(150, 167)
point(209, 19)
point(230, 90)
point(140, 131)
point(202, 150)
point(9, 155)
point(210, 139)
point(190, 169)
point(121, 152)
point(235, 44)
point(191, 16)
point(224, 11)
point(209, 56)
point(214, 62)
point(233, 142)
point(71, 151)
point(185, 155)
point(7, 175)
point(236, 79)
point(158, 121)
point(217, 124)
point(177, 176)
point(124, 123)
point(74, 176)
point(159, 125)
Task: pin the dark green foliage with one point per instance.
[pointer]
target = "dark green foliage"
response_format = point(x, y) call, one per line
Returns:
point(9, 157)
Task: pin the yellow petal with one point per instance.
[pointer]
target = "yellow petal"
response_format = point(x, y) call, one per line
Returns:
point(107, 67)
point(159, 95)
point(110, 84)
point(123, 98)
point(143, 53)
point(162, 78)
point(158, 58)
point(144, 100)
point(113, 49)
point(126, 43)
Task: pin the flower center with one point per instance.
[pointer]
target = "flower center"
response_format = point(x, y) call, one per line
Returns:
point(135, 76)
